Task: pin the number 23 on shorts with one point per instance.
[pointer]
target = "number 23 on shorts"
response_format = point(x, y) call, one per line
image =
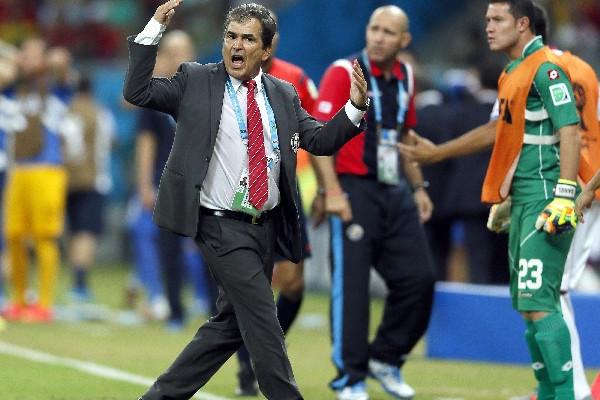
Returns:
point(530, 274)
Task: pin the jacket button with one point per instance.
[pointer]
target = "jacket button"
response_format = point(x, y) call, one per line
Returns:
point(207, 159)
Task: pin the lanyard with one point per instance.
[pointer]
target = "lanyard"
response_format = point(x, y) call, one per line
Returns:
point(402, 108)
point(240, 117)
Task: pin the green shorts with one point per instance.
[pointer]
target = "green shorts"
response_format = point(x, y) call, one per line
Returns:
point(536, 259)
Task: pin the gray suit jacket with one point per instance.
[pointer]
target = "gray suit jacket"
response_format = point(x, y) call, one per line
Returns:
point(194, 97)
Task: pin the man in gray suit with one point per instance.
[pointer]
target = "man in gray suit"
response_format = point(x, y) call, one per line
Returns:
point(229, 183)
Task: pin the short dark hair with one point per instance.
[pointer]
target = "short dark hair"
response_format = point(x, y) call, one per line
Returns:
point(245, 12)
point(541, 24)
point(519, 9)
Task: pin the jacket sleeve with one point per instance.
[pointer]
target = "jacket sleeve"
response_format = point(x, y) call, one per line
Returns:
point(327, 139)
point(141, 89)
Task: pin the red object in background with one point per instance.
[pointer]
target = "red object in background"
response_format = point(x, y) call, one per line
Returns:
point(18, 11)
point(596, 388)
point(592, 11)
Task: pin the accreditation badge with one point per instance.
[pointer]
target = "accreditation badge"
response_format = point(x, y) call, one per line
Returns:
point(387, 157)
point(240, 197)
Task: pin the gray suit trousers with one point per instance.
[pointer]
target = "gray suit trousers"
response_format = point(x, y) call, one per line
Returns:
point(240, 257)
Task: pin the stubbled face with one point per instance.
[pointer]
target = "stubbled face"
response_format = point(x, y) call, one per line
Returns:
point(243, 50)
point(386, 35)
point(502, 28)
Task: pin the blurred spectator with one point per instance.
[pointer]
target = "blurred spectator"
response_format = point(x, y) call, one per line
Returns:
point(475, 94)
point(36, 186)
point(457, 232)
point(144, 237)
point(89, 129)
point(156, 132)
point(432, 114)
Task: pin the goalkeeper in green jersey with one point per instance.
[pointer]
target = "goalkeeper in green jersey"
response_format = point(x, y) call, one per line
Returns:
point(535, 160)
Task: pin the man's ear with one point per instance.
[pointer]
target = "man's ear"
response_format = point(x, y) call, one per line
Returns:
point(266, 53)
point(406, 39)
point(524, 23)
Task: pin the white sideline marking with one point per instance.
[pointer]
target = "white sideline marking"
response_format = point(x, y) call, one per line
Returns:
point(473, 289)
point(88, 367)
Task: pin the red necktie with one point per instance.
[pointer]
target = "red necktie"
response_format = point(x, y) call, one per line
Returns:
point(257, 160)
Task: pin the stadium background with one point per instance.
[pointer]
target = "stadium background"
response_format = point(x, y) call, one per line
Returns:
point(446, 35)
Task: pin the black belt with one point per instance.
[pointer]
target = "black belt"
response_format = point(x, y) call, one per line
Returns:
point(238, 216)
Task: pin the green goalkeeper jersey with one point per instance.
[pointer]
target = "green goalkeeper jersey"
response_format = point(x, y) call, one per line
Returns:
point(550, 106)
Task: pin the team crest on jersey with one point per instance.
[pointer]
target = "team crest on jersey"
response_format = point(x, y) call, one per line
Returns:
point(553, 74)
point(324, 107)
point(355, 232)
point(560, 94)
point(295, 142)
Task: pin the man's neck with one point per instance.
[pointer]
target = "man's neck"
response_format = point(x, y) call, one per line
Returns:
point(517, 50)
point(386, 68)
point(266, 67)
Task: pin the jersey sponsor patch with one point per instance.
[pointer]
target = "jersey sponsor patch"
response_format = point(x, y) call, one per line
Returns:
point(355, 232)
point(553, 74)
point(560, 94)
point(324, 107)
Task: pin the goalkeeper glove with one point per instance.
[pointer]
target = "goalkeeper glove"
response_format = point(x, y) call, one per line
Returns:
point(559, 216)
point(499, 218)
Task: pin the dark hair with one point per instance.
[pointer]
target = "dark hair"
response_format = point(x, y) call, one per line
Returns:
point(541, 24)
point(519, 9)
point(245, 12)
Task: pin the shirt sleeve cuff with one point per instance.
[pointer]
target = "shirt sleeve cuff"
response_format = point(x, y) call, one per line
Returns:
point(353, 113)
point(151, 34)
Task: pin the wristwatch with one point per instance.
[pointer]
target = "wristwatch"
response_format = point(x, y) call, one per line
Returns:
point(363, 108)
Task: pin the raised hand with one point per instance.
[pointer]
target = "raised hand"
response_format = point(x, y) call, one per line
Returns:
point(165, 12)
point(358, 86)
point(338, 204)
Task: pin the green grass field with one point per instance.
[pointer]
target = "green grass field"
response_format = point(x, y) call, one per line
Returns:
point(145, 350)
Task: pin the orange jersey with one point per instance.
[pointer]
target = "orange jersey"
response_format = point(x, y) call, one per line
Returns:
point(513, 91)
point(585, 88)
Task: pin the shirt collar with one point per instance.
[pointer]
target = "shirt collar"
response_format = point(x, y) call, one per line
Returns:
point(396, 70)
point(258, 79)
point(534, 44)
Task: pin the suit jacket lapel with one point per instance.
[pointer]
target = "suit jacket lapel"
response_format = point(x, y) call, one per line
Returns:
point(217, 78)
